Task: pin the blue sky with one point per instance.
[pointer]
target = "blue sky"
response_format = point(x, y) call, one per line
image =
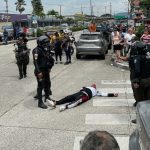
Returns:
point(72, 6)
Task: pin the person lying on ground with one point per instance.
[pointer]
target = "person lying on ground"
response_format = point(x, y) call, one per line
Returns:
point(83, 95)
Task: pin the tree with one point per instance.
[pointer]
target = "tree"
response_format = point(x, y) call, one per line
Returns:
point(19, 6)
point(37, 7)
point(52, 13)
point(145, 5)
point(42, 15)
point(60, 17)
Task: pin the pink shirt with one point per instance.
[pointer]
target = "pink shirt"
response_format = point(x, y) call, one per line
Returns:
point(146, 38)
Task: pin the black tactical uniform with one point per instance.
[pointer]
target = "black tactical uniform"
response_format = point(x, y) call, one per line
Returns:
point(43, 62)
point(22, 56)
point(139, 64)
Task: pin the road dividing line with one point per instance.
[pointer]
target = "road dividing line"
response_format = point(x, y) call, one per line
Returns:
point(115, 82)
point(113, 102)
point(122, 141)
point(116, 90)
point(107, 119)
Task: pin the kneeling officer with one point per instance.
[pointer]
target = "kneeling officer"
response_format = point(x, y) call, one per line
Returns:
point(43, 62)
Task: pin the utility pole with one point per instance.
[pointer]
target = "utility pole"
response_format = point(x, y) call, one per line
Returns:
point(60, 10)
point(105, 9)
point(81, 10)
point(110, 8)
point(91, 7)
point(82, 14)
point(60, 13)
point(6, 10)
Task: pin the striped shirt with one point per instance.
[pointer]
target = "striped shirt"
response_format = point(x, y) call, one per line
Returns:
point(146, 38)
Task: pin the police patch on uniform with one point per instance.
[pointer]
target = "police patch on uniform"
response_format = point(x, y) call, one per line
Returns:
point(36, 56)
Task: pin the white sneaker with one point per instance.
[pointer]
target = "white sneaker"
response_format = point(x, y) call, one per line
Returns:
point(62, 108)
point(50, 103)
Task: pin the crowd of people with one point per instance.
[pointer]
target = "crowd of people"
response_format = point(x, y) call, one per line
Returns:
point(122, 40)
point(61, 42)
point(137, 53)
point(125, 46)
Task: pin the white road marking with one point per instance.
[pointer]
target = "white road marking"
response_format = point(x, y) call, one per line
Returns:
point(107, 119)
point(109, 102)
point(115, 82)
point(122, 141)
point(116, 90)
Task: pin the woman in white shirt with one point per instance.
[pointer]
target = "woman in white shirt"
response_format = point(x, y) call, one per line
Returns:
point(130, 35)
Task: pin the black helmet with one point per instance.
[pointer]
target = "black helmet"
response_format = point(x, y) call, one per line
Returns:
point(42, 41)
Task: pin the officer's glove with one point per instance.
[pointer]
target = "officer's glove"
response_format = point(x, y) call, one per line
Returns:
point(40, 75)
point(136, 83)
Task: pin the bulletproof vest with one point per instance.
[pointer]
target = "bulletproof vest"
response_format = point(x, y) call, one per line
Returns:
point(145, 69)
point(139, 61)
point(137, 49)
point(45, 60)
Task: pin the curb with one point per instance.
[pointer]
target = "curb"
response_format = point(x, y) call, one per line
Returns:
point(14, 41)
point(122, 65)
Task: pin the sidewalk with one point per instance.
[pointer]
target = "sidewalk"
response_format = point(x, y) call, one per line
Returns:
point(14, 41)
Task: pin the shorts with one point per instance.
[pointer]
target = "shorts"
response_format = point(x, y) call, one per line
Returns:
point(117, 47)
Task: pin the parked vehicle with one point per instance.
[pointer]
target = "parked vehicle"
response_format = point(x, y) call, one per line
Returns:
point(140, 138)
point(1, 37)
point(10, 31)
point(67, 31)
point(106, 33)
point(91, 43)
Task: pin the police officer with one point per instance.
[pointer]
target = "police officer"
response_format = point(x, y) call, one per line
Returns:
point(22, 55)
point(43, 62)
point(139, 63)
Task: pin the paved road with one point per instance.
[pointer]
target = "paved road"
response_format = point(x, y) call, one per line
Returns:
point(24, 126)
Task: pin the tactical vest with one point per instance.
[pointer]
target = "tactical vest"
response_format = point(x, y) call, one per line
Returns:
point(139, 61)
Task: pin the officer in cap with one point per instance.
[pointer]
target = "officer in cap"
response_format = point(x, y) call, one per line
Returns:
point(43, 62)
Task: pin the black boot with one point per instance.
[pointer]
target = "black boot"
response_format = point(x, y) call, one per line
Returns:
point(135, 104)
point(36, 96)
point(20, 77)
point(42, 105)
point(134, 121)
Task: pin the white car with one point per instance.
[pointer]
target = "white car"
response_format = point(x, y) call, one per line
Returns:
point(67, 31)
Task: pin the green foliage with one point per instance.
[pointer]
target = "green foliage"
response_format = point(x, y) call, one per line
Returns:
point(37, 7)
point(19, 6)
point(77, 28)
point(39, 32)
point(140, 30)
point(52, 13)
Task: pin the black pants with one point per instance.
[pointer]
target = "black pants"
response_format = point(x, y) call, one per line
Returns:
point(68, 55)
point(141, 93)
point(22, 66)
point(45, 84)
point(58, 55)
point(70, 98)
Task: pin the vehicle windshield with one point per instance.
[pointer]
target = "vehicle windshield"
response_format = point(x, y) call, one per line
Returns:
point(89, 36)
